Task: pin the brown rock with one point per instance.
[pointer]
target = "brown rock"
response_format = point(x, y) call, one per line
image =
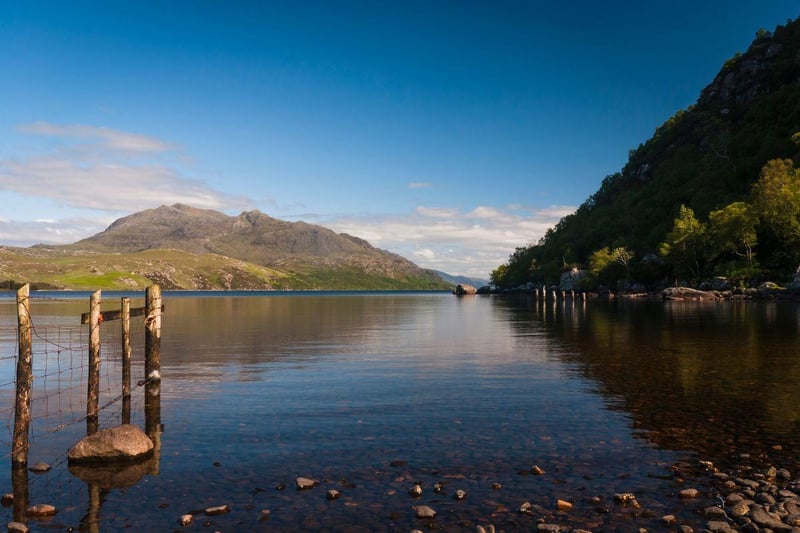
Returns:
point(41, 509)
point(303, 483)
point(423, 511)
point(121, 443)
point(688, 494)
point(220, 509)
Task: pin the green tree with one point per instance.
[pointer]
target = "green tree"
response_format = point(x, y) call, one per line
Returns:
point(608, 266)
point(685, 244)
point(776, 196)
point(733, 230)
point(498, 275)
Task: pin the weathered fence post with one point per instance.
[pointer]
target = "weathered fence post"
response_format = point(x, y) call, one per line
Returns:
point(126, 360)
point(152, 369)
point(22, 409)
point(152, 333)
point(93, 386)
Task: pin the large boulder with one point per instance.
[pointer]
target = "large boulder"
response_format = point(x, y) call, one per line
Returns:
point(463, 288)
point(686, 293)
point(121, 443)
point(571, 279)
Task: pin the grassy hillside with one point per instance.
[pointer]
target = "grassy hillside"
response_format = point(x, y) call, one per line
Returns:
point(175, 269)
point(704, 158)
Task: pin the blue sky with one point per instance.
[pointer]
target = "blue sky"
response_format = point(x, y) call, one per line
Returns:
point(448, 132)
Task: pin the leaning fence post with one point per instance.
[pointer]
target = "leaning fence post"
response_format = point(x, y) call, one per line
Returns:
point(93, 386)
point(126, 360)
point(22, 409)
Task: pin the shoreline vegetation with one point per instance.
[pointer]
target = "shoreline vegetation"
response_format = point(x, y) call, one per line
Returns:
point(714, 192)
point(766, 292)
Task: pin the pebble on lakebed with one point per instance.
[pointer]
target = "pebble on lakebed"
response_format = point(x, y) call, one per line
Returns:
point(41, 509)
point(304, 483)
point(423, 512)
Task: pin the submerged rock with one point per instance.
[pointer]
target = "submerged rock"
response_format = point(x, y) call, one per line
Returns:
point(304, 483)
point(40, 468)
point(423, 511)
point(121, 443)
point(41, 509)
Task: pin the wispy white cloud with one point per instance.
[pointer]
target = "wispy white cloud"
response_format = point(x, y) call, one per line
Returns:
point(420, 185)
point(108, 138)
point(112, 171)
point(437, 212)
point(470, 243)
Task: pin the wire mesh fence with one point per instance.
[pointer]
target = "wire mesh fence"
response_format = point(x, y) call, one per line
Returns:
point(60, 408)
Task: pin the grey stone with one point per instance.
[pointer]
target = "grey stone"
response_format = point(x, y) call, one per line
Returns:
point(121, 443)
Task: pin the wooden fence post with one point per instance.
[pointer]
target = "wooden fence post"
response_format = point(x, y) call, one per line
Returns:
point(152, 333)
point(126, 360)
point(22, 409)
point(93, 386)
point(152, 369)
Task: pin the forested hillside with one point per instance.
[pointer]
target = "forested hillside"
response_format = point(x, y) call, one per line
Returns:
point(714, 192)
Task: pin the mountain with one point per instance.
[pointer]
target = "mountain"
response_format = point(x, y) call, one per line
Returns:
point(182, 247)
point(704, 158)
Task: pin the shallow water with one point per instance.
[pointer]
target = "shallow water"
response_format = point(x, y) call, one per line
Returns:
point(371, 393)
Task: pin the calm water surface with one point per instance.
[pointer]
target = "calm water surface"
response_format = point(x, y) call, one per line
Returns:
point(370, 393)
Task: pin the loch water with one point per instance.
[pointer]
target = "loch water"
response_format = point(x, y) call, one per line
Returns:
point(372, 393)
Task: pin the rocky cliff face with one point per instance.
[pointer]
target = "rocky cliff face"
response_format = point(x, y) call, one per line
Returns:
point(770, 63)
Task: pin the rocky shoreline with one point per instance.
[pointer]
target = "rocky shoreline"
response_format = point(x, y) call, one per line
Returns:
point(765, 291)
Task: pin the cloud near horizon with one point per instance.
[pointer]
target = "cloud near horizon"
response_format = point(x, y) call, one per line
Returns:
point(471, 243)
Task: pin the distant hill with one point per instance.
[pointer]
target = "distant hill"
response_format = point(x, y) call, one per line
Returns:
point(705, 157)
point(182, 247)
point(456, 280)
